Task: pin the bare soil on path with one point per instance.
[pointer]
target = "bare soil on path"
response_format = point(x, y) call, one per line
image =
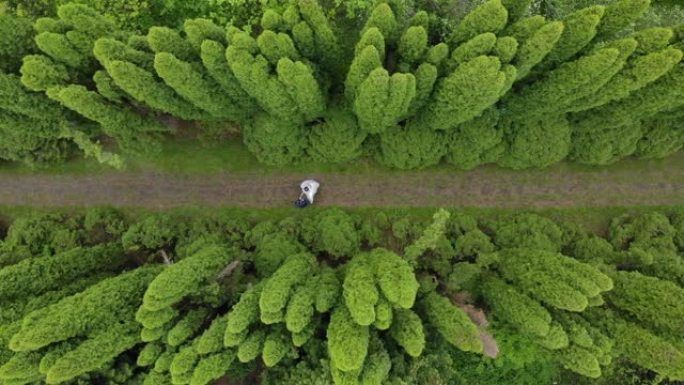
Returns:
point(485, 187)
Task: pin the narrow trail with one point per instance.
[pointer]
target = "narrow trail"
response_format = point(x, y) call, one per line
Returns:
point(478, 188)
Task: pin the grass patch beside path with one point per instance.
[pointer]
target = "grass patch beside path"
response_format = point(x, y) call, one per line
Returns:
point(191, 157)
point(596, 220)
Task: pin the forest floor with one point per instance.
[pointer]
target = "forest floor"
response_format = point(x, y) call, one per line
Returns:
point(630, 183)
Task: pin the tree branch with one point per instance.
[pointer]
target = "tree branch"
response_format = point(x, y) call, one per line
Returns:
point(165, 257)
point(228, 270)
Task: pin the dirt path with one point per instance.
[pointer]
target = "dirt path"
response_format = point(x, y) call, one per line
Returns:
point(560, 187)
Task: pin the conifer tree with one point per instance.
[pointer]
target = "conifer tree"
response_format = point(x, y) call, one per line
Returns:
point(302, 87)
point(491, 16)
point(187, 276)
point(214, 60)
point(533, 50)
point(426, 75)
point(362, 65)
point(382, 17)
point(196, 87)
point(143, 87)
point(516, 308)
point(107, 50)
point(58, 47)
point(40, 73)
point(621, 14)
point(465, 93)
point(347, 341)
point(19, 279)
point(479, 45)
point(638, 72)
point(88, 312)
point(280, 286)
point(451, 322)
point(17, 41)
point(564, 85)
point(413, 44)
point(617, 122)
point(254, 75)
point(326, 45)
point(382, 101)
point(273, 141)
point(162, 39)
point(516, 8)
point(554, 279)
point(132, 131)
point(580, 28)
point(476, 141)
point(662, 137)
point(199, 30)
point(411, 147)
point(535, 142)
point(336, 140)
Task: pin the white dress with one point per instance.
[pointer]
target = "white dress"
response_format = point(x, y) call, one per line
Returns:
point(310, 188)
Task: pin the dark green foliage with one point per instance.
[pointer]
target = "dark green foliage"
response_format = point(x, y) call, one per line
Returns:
point(491, 16)
point(196, 87)
point(371, 317)
point(333, 232)
point(382, 17)
point(661, 137)
point(478, 46)
point(554, 279)
point(517, 309)
point(413, 44)
point(87, 312)
point(30, 124)
point(528, 231)
point(337, 139)
point(187, 276)
point(162, 39)
point(411, 147)
point(476, 141)
point(535, 142)
point(16, 43)
point(40, 73)
point(465, 93)
point(533, 50)
point(516, 8)
point(57, 270)
point(649, 300)
point(291, 64)
point(273, 141)
point(383, 100)
point(133, 132)
point(143, 87)
point(621, 14)
point(347, 341)
point(452, 323)
point(580, 29)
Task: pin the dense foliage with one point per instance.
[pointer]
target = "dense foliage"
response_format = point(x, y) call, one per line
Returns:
point(334, 297)
point(408, 83)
